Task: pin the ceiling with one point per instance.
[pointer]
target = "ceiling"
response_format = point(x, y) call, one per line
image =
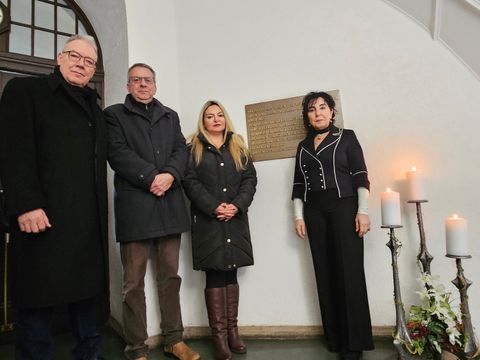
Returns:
point(454, 23)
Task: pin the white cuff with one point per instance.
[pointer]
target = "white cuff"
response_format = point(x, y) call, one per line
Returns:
point(298, 208)
point(363, 195)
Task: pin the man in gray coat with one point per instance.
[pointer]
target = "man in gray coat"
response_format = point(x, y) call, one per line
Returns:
point(147, 152)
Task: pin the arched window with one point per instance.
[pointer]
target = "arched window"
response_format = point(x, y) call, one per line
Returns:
point(33, 32)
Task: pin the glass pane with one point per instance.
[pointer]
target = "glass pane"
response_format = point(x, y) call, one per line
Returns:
point(44, 46)
point(4, 2)
point(22, 11)
point(61, 40)
point(65, 20)
point(61, 2)
point(81, 29)
point(20, 40)
point(44, 15)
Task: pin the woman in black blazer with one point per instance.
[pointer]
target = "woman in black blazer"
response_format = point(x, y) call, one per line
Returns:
point(330, 197)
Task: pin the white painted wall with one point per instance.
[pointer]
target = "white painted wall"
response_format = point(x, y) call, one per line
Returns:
point(410, 101)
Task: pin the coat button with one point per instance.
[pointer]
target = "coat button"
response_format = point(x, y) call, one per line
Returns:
point(306, 171)
point(229, 266)
point(304, 165)
point(141, 177)
point(224, 189)
point(229, 240)
point(157, 152)
point(221, 164)
point(234, 265)
point(309, 189)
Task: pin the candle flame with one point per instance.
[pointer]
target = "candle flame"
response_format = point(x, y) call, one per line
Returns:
point(455, 216)
point(389, 190)
point(414, 168)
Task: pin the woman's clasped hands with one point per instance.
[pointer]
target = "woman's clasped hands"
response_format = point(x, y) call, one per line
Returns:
point(226, 211)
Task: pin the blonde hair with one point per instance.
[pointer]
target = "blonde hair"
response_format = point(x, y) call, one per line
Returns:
point(238, 148)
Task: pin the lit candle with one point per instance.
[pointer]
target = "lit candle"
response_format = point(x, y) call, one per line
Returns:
point(390, 208)
point(456, 235)
point(416, 188)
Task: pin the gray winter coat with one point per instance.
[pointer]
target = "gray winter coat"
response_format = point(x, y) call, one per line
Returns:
point(219, 245)
point(138, 149)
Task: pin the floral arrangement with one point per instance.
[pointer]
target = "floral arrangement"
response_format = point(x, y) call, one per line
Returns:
point(434, 326)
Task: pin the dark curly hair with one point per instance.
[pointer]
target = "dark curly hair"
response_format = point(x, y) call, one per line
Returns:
point(307, 101)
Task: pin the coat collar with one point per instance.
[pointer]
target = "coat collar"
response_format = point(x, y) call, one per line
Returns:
point(206, 143)
point(332, 137)
point(56, 81)
point(159, 110)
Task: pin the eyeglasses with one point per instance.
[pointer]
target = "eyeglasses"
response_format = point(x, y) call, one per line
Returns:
point(149, 80)
point(75, 57)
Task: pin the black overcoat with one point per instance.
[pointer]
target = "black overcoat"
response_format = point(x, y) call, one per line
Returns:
point(53, 156)
point(138, 149)
point(219, 245)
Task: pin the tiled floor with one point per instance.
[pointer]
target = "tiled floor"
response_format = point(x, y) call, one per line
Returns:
point(112, 349)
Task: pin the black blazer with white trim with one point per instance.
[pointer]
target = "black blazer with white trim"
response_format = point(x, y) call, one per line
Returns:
point(337, 163)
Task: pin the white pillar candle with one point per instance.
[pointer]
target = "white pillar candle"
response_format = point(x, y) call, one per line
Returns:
point(456, 236)
point(391, 208)
point(416, 186)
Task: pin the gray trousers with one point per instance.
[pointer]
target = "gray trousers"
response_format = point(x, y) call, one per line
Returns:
point(134, 256)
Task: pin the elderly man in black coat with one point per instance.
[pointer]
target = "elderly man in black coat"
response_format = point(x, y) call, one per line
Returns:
point(53, 168)
point(148, 154)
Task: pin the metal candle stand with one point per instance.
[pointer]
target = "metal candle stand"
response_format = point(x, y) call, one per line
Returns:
point(6, 326)
point(462, 284)
point(424, 257)
point(401, 335)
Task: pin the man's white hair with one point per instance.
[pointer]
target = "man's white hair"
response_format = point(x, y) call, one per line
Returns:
point(87, 38)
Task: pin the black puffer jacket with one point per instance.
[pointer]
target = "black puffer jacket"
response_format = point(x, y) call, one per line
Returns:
point(219, 245)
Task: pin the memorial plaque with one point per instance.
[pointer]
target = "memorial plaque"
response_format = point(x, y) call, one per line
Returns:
point(275, 127)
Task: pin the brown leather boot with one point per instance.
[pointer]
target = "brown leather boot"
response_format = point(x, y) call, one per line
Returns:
point(234, 340)
point(216, 300)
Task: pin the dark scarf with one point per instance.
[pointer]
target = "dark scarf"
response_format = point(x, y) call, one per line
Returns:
point(314, 132)
point(144, 109)
point(84, 95)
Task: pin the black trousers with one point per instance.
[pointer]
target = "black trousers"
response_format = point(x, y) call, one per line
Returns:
point(34, 339)
point(337, 254)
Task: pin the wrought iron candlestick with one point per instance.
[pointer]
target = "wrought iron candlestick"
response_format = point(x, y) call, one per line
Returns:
point(462, 284)
point(401, 335)
point(6, 326)
point(423, 256)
